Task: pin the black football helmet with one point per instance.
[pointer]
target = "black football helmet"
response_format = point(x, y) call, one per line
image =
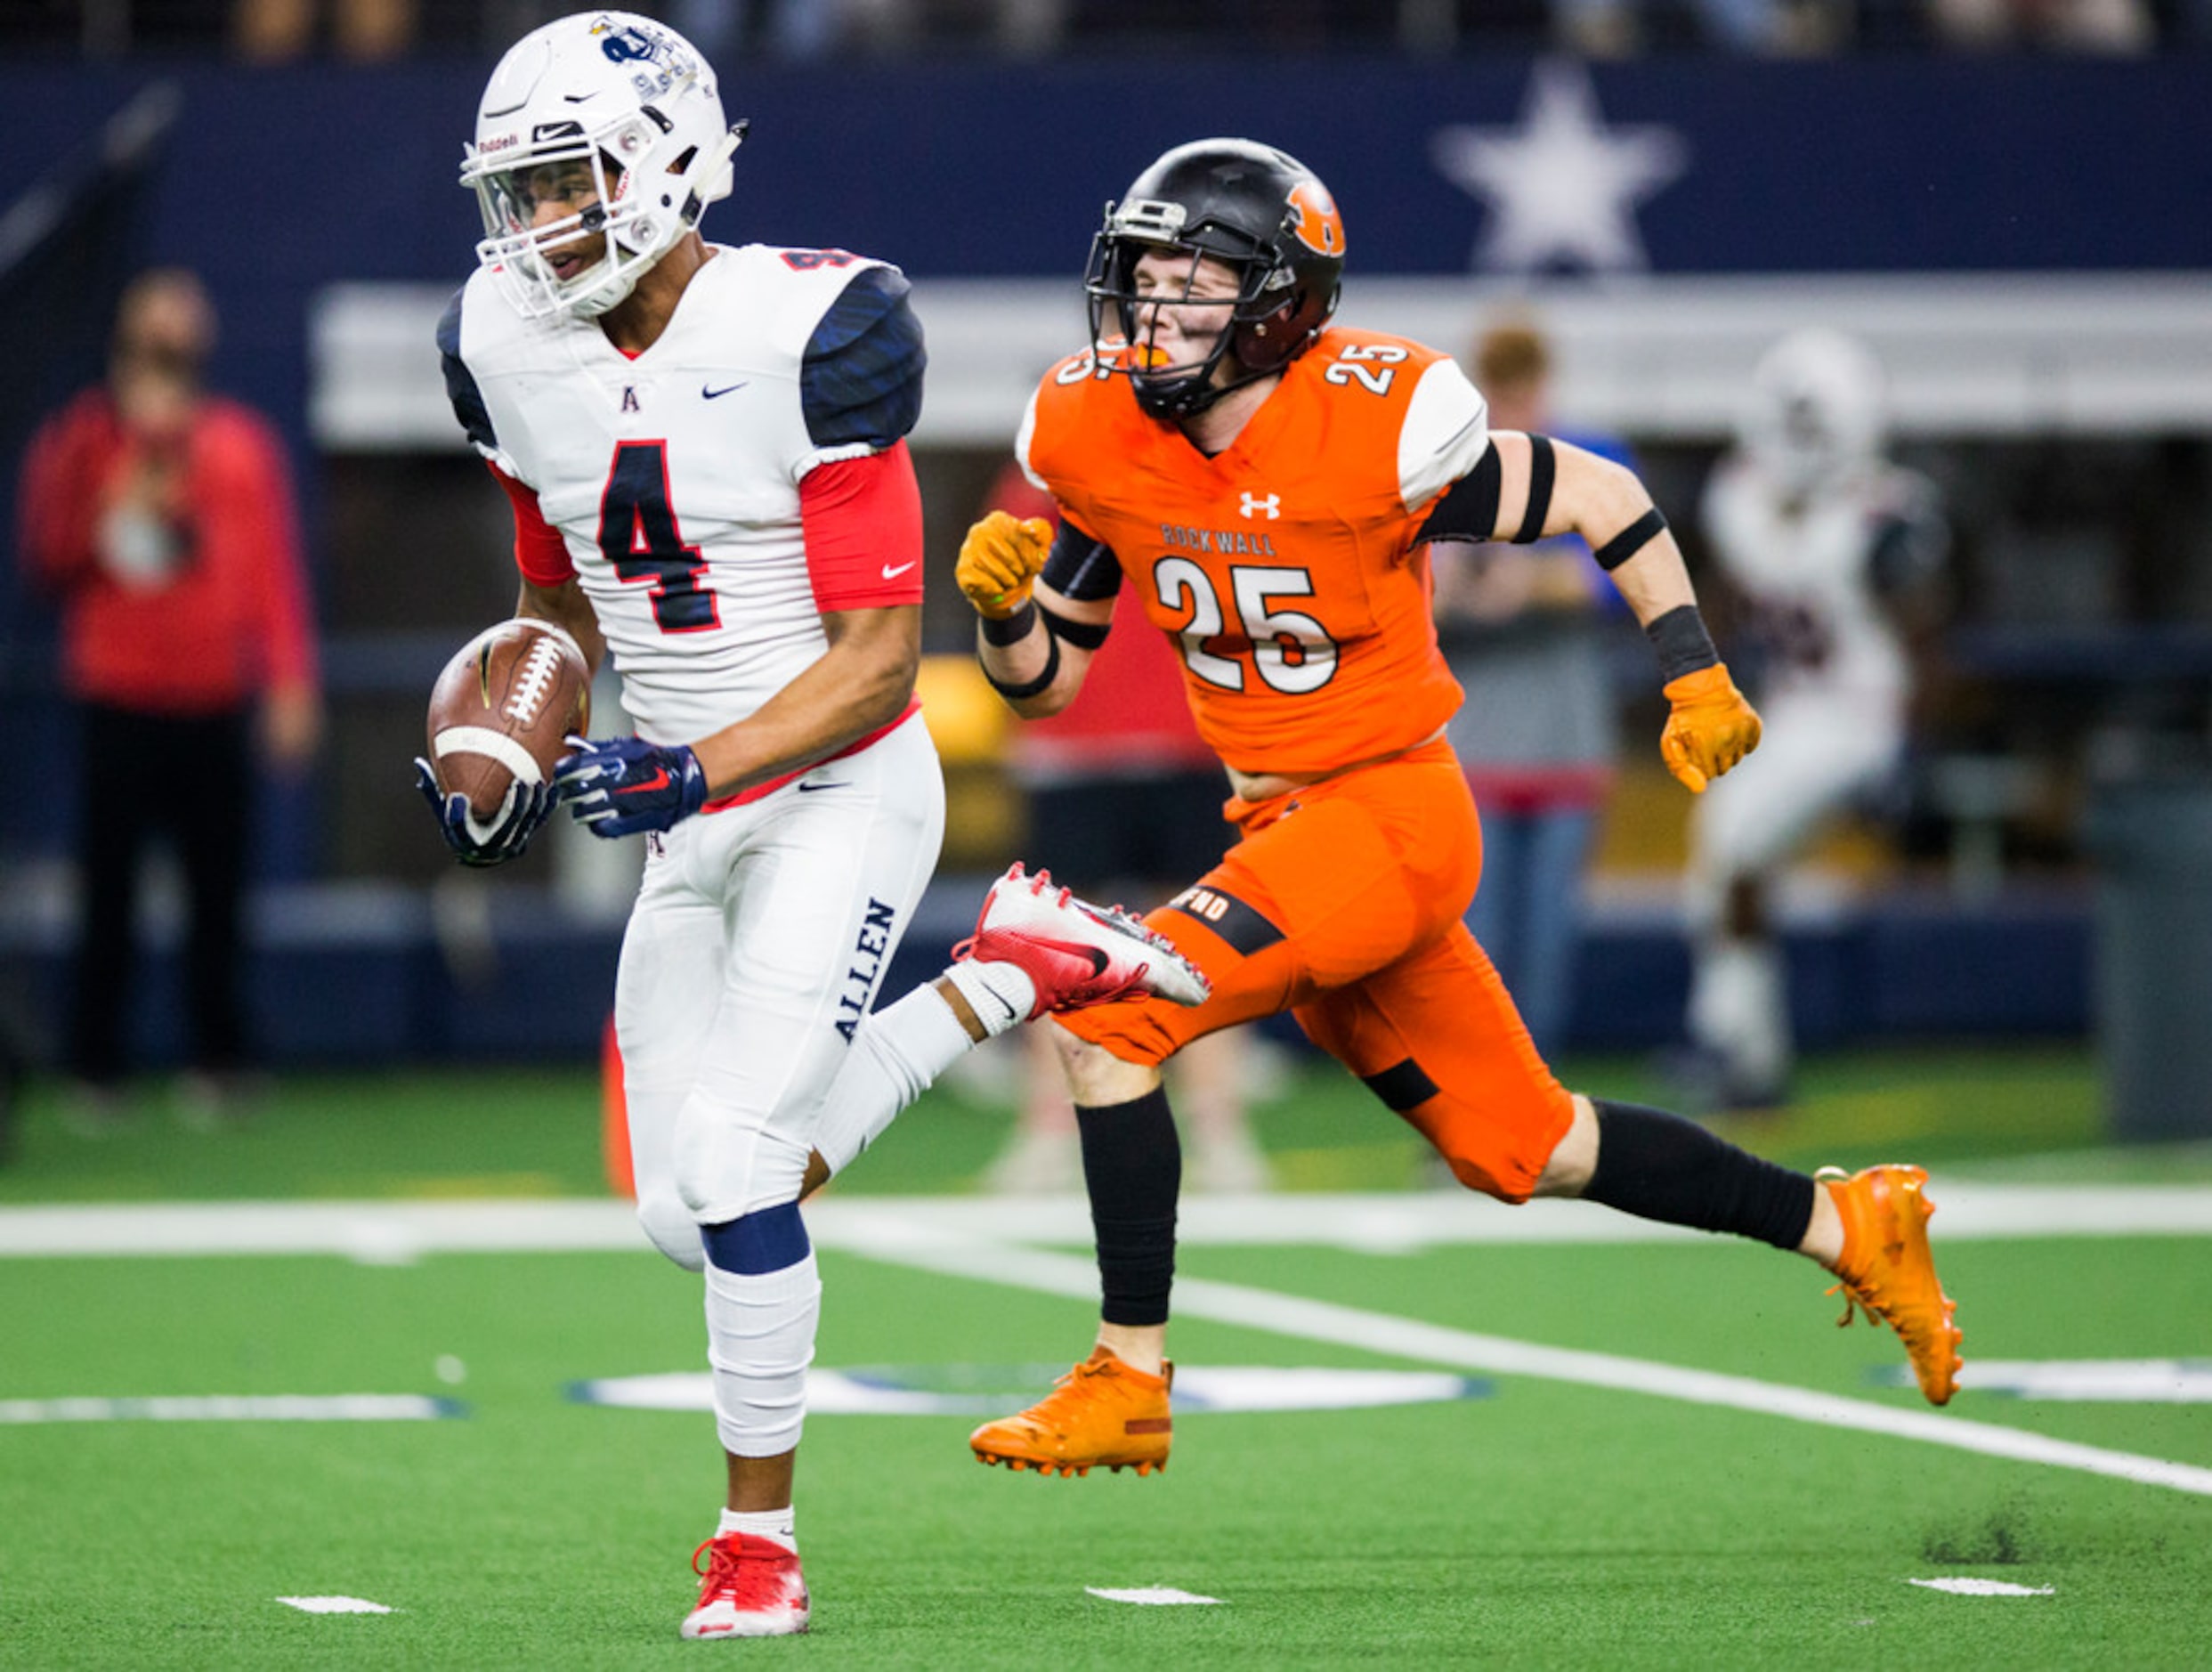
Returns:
point(1259, 209)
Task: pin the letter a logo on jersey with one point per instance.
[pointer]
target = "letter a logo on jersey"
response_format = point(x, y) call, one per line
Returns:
point(1314, 218)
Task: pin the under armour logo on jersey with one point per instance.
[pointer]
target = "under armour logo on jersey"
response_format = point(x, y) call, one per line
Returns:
point(629, 398)
point(1270, 506)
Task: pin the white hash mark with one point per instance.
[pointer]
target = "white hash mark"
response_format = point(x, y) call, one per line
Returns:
point(1152, 1595)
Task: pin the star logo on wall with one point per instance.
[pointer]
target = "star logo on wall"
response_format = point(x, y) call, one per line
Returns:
point(1562, 187)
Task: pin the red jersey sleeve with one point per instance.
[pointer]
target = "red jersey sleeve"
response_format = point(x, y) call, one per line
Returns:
point(862, 521)
point(539, 551)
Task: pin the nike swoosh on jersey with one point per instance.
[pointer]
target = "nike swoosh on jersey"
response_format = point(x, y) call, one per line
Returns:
point(890, 573)
point(659, 781)
point(839, 785)
point(705, 394)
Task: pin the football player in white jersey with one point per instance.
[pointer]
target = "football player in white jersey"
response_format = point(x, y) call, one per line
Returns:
point(704, 449)
point(1831, 550)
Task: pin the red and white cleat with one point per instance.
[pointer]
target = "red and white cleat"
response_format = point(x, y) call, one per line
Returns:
point(1078, 955)
point(750, 1587)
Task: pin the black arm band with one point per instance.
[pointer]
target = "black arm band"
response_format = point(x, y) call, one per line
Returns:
point(1080, 567)
point(1683, 645)
point(1082, 634)
point(1631, 540)
point(1543, 465)
point(1030, 687)
point(1008, 630)
point(1468, 510)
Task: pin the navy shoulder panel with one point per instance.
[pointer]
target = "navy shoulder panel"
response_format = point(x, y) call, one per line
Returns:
point(860, 378)
point(460, 383)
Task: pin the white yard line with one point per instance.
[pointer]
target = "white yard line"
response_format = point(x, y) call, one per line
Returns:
point(1409, 1338)
point(975, 1237)
point(395, 1232)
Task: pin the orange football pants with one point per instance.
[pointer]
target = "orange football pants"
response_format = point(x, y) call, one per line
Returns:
point(1343, 904)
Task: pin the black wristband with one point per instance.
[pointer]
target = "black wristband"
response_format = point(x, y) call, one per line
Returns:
point(1683, 645)
point(1541, 467)
point(1008, 630)
point(1082, 634)
point(1030, 687)
point(1631, 540)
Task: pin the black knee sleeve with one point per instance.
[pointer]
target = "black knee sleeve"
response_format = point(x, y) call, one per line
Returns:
point(1660, 1166)
point(1133, 1169)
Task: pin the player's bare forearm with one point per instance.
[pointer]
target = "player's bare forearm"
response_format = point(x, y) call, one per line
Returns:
point(1013, 668)
point(860, 684)
point(1597, 499)
point(568, 609)
point(1655, 581)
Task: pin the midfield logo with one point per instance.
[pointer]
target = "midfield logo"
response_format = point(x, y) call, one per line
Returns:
point(1270, 506)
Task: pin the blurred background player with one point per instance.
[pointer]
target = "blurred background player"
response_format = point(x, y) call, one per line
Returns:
point(1830, 557)
point(1126, 798)
point(1267, 484)
point(160, 518)
point(1522, 628)
point(724, 500)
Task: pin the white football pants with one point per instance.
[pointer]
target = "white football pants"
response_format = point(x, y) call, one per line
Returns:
point(761, 937)
point(1815, 755)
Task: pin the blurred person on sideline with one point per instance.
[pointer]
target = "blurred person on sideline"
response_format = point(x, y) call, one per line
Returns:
point(160, 517)
point(361, 31)
point(2108, 29)
point(1522, 630)
point(1759, 28)
point(1830, 558)
point(1268, 484)
point(704, 449)
point(1126, 798)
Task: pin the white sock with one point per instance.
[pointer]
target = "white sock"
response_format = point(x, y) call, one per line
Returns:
point(760, 1338)
point(1739, 1006)
point(761, 1523)
point(897, 1055)
point(1002, 995)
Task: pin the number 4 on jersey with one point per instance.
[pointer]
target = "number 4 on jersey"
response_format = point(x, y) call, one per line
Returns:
point(639, 534)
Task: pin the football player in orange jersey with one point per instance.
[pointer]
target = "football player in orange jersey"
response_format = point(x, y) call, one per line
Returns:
point(1268, 484)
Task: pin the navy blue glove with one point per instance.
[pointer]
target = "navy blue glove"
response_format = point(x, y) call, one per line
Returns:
point(486, 842)
point(621, 786)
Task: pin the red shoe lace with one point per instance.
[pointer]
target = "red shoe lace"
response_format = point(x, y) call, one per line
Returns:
point(750, 1572)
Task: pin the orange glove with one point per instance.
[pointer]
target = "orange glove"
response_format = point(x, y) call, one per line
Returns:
point(1000, 562)
point(1710, 729)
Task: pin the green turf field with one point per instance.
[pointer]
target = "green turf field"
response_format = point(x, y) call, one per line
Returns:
point(1549, 1520)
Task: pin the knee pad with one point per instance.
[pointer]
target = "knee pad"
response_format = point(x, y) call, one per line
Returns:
point(672, 1229)
point(727, 1166)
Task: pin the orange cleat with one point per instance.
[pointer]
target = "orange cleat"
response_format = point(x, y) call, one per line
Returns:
point(1103, 1411)
point(1888, 1272)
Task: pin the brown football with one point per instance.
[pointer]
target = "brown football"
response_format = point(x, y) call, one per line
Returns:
point(502, 708)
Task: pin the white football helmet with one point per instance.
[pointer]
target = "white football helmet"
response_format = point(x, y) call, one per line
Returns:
point(610, 112)
point(1817, 410)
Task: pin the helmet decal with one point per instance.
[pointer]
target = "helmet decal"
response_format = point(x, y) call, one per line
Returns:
point(1315, 220)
